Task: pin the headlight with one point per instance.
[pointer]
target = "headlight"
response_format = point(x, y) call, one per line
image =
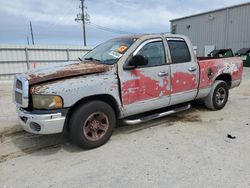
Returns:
point(47, 102)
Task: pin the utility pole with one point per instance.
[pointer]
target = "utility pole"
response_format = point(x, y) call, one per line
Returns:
point(83, 22)
point(31, 32)
point(84, 18)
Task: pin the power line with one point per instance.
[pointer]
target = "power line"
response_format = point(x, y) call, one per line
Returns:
point(109, 29)
point(85, 19)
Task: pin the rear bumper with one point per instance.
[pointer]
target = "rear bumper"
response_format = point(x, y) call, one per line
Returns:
point(41, 123)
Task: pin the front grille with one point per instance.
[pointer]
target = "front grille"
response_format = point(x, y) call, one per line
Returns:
point(21, 91)
point(18, 98)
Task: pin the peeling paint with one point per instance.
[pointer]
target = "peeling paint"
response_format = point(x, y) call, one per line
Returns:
point(143, 87)
point(183, 82)
point(212, 68)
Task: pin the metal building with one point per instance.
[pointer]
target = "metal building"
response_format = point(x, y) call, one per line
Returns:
point(222, 28)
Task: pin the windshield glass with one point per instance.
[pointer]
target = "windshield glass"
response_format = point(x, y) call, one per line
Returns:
point(109, 52)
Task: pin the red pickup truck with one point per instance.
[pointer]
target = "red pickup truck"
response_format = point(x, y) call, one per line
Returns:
point(133, 78)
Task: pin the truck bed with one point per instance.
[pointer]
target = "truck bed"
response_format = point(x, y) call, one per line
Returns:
point(211, 68)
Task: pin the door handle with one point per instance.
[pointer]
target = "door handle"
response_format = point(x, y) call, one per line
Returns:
point(192, 69)
point(162, 73)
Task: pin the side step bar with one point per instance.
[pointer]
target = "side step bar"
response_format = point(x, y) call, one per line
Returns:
point(157, 115)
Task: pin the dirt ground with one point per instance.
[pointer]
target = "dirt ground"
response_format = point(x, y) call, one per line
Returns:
point(8, 116)
point(188, 149)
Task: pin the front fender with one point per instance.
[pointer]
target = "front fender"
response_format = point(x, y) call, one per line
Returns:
point(76, 88)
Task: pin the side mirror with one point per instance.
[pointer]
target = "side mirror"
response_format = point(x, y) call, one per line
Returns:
point(139, 60)
point(136, 61)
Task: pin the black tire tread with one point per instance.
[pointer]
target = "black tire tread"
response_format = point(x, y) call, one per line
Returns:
point(209, 100)
point(78, 118)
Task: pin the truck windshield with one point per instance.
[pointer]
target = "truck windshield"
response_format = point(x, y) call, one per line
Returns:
point(111, 51)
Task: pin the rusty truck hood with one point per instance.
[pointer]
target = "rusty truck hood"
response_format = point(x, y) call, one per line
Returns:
point(65, 70)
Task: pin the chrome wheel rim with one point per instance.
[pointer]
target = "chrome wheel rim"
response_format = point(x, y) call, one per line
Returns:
point(96, 126)
point(220, 96)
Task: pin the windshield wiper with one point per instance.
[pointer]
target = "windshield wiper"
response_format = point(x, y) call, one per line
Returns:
point(91, 58)
point(80, 58)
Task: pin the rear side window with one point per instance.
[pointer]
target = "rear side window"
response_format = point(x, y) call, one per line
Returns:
point(179, 51)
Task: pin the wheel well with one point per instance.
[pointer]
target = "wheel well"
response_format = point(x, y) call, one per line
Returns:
point(105, 98)
point(225, 77)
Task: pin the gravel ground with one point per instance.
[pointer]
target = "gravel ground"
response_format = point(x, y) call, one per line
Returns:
point(188, 149)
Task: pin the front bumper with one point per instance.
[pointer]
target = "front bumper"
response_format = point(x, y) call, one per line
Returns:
point(41, 123)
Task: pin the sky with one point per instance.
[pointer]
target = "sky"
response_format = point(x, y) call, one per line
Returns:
point(53, 20)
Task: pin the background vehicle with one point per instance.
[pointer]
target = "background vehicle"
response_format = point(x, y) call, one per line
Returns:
point(133, 78)
point(221, 53)
point(244, 53)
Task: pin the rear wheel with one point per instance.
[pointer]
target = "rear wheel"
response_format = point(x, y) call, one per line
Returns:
point(218, 96)
point(92, 124)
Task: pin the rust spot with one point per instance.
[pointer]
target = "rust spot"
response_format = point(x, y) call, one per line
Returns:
point(75, 69)
point(38, 89)
point(210, 73)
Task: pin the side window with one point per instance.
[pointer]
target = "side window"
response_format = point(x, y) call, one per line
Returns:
point(155, 53)
point(179, 51)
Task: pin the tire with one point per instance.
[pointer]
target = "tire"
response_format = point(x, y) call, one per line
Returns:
point(92, 124)
point(218, 96)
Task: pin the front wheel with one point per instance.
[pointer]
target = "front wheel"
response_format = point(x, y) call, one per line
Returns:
point(92, 124)
point(218, 96)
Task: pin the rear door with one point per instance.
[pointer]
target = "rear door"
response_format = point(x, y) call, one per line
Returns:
point(184, 71)
point(147, 87)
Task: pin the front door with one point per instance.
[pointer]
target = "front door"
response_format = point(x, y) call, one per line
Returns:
point(184, 71)
point(148, 87)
